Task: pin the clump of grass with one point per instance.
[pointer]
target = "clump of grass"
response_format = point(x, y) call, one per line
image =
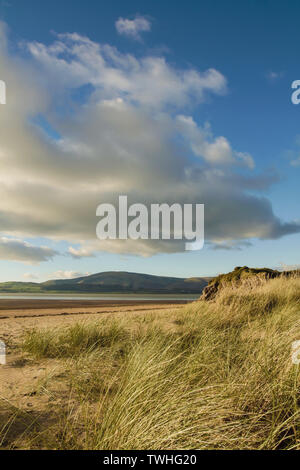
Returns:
point(74, 340)
point(212, 375)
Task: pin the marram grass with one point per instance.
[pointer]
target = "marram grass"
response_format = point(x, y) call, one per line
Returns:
point(212, 375)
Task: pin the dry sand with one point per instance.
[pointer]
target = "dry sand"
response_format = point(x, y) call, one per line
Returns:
point(18, 315)
point(19, 379)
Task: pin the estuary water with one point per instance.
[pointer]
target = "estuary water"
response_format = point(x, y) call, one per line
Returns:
point(111, 297)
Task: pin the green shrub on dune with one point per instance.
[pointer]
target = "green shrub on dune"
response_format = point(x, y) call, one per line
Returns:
point(241, 275)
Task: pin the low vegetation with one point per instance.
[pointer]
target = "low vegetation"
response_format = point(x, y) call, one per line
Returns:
point(211, 375)
point(243, 275)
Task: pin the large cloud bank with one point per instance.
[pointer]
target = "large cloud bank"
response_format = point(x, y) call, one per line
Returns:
point(84, 123)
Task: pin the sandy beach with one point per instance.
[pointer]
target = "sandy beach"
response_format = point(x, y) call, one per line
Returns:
point(16, 316)
point(19, 316)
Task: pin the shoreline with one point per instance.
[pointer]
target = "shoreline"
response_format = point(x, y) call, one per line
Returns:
point(55, 304)
point(15, 321)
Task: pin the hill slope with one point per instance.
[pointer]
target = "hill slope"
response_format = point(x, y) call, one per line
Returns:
point(109, 282)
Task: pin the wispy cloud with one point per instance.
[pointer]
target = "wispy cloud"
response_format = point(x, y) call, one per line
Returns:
point(30, 276)
point(293, 154)
point(67, 274)
point(81, 252)
point(18, 250)
point(231, 245)
point(133, 27)
point(288, 267)
point(274, 76)
point(295, 161)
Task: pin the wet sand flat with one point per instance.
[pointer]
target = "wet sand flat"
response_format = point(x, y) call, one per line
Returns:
point(22, 308)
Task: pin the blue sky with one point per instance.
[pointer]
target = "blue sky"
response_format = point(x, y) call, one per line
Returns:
point(251, 44)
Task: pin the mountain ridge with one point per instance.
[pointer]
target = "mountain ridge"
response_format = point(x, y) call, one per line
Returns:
point(113, 282)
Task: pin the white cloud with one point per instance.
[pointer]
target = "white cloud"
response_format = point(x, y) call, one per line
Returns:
point(14, 249)
point(30, 276)
point(134, 27)
point(67, 274)
point(135, 134)
point(73, 61)
point(231, 245)
point(216, 151)
point(288, 267)
point(82, 252)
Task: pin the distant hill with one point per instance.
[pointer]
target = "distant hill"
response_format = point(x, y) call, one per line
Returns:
point(113, 282)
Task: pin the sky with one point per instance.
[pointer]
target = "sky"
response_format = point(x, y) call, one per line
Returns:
point(185, 102)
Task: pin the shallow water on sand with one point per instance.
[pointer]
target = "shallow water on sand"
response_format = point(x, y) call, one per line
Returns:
point(112, 297)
